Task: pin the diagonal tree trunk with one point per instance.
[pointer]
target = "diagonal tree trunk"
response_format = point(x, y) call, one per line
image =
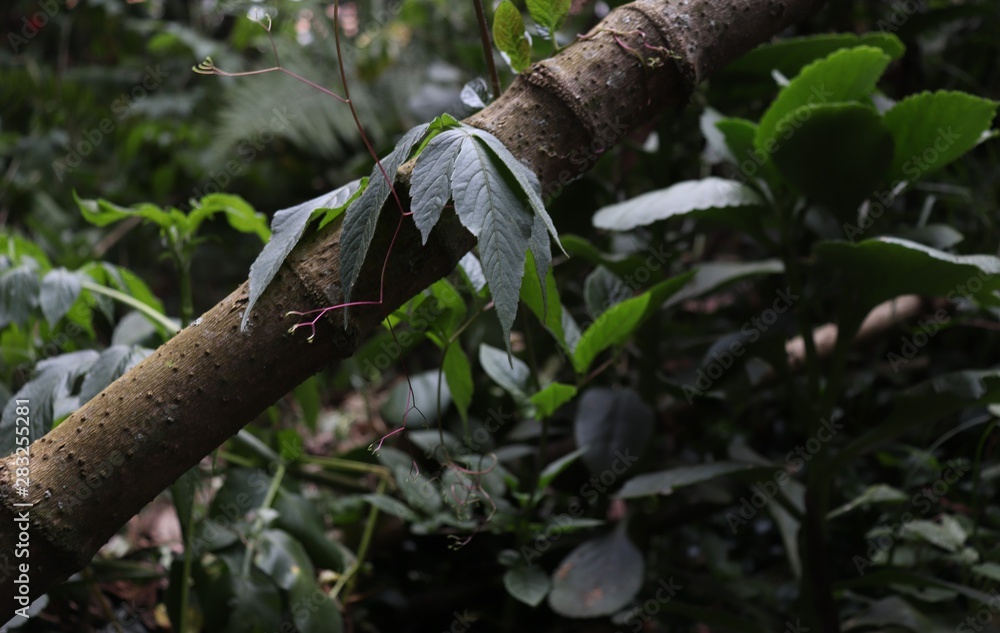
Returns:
point(116, 453)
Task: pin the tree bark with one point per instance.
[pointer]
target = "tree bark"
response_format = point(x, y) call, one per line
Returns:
point(117, 452)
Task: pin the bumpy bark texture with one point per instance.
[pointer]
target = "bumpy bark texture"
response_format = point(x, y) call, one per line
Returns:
point(121, 449)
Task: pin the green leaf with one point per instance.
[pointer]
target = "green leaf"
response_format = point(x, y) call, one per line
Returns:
point(256, 605)
point(282, 558)
point(548, 400)
point(664, 482)
point(109, 366)
point(392, 506)
point(715, 275)
point(510, 36)
point(491, 211)
point(287, 228)
point(103, 213)
point(614, 427)
point(599, 577)
point(362, 215)
point(509, 372)
point(530, 585)
point(552, 470)
point(788, 56)
point(240, 215)
point(431, 182)
point(544, 303)
point(549, 13)
point(904, 267)
point(602, 289)
point(458, 373)
point(19, 290)
point(878, 493)
point(59, 291)
point(846, 75)
point(724, 201)
point(931, 130)
point(846, 139)
point(612, 328)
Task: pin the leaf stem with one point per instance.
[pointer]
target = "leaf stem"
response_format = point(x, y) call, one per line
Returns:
point(484, 36)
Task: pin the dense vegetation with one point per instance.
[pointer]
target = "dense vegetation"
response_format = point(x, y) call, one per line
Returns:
point(659, 444)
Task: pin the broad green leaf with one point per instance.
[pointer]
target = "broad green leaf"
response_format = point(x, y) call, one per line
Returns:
point(313, 611)
point(544, 303)
point(599, 577)
point(613, 327)
point(931, 129)
point(509, 372)
point(282, 558)
point(240, 215)
point(614, 427)
point(549, 13)
point(990, 571)
point(846, 75)
point(362, 215)
point(945, 532)
point(392, 506)
point(541, 257)
point(103, 213)
point(19, 289)
point(287, 228)
point(905, 267)
point(256, 605)
point(109, 366)
point(789, 56)
point(846, 139)
point(510, 36)
point(715, 275)
point(548, 400)
point(664, 482)
point(431, 183)
point(52, 383)
point(530, 585)
point(491, 211)
point(59, 291)
point(724, 201)
point(458, 373)
point(302, 519)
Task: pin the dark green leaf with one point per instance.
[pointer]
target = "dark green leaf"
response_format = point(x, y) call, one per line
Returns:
point(301, 518)
point(458, 373)
point(256, 605)
point(431, 182)
point(664, 482)
point(491, 211)
point(530, 585)
point(19, 289)
point(112, 363)
point(598, 577)
point(362, 215)
point(614, 426)
point(59, 291)
point(846, 139)
point(887, 267)
point(602, 289)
